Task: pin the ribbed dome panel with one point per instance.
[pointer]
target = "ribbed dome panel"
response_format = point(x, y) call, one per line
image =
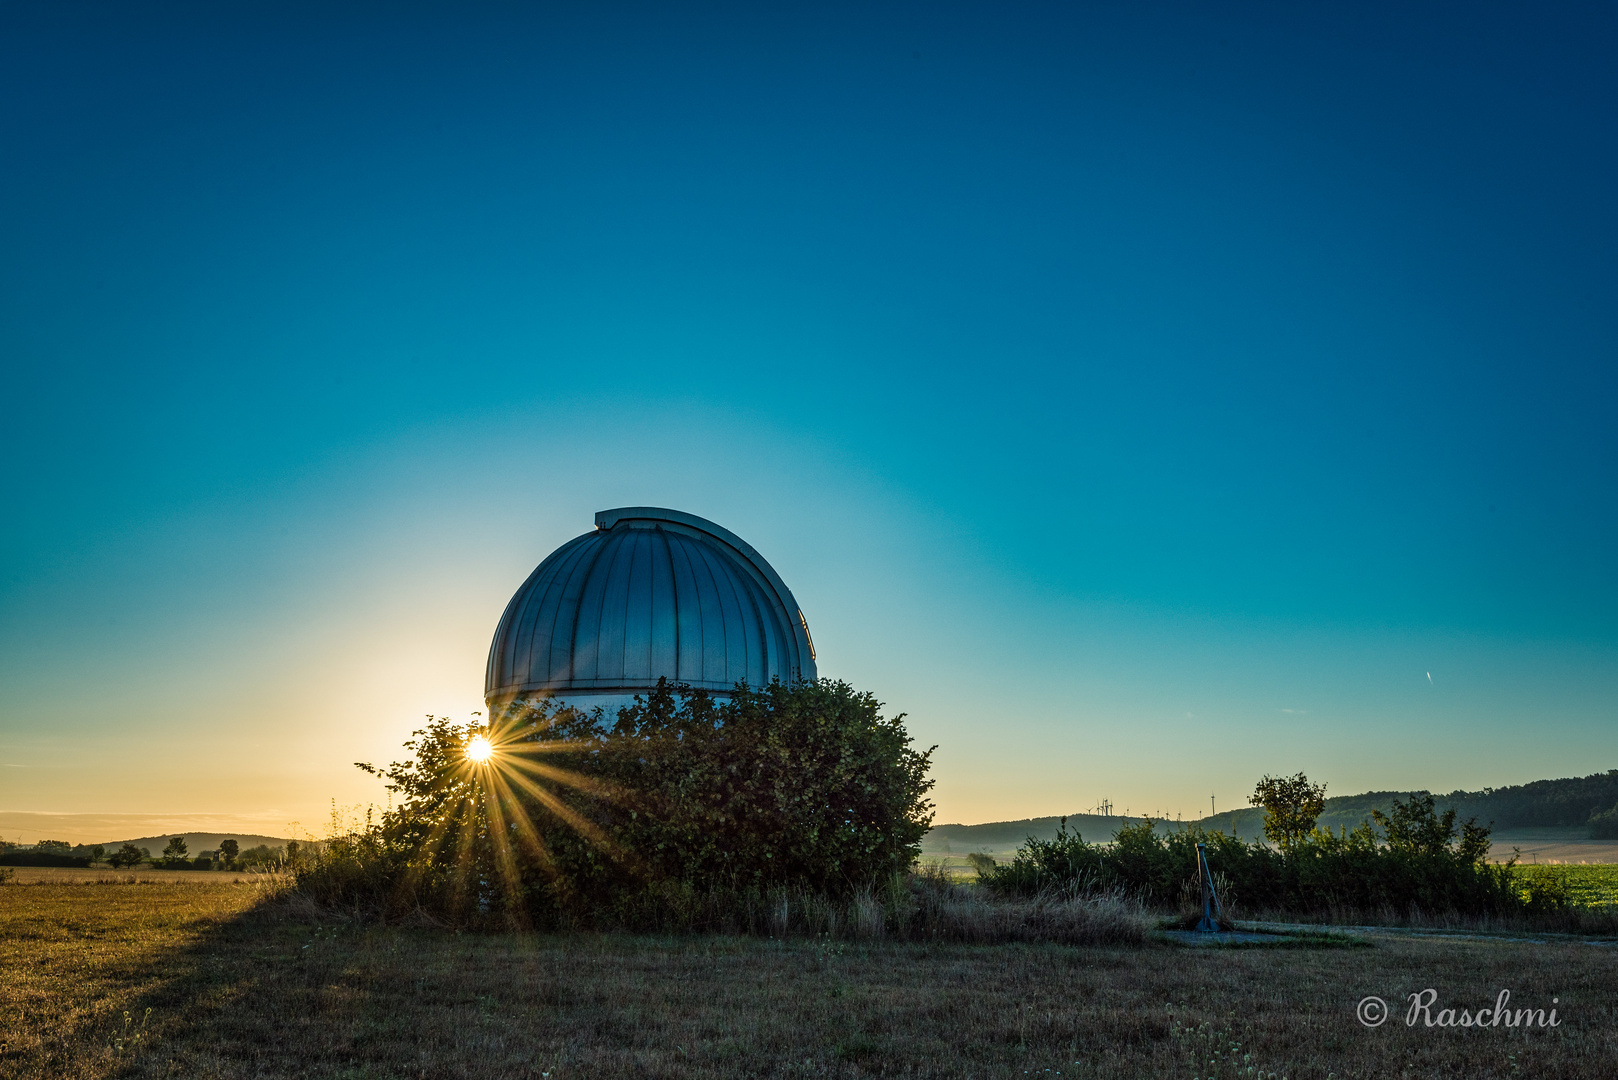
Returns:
point(651, 593)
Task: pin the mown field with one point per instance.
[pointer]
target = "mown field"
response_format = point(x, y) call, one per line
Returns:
point(221, 979)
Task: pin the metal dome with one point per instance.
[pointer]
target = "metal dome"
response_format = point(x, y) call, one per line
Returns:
point(650, 594)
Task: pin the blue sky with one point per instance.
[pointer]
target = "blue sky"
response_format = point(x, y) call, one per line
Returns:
point(1141, 397)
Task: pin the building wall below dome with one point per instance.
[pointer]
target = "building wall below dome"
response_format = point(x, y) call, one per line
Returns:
point(585, 701)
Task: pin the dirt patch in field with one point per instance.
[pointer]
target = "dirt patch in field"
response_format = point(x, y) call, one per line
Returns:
point(1560, 844)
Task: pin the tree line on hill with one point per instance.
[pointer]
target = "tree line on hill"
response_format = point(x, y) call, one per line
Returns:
point(174, 856)
point(1580, 800)
point(1588, 800)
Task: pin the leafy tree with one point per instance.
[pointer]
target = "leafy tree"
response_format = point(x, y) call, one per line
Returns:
point(98, 853)
point(805, 784)
point(261, 856)
point(128, 855)
point(1415, 827)
point(54, 847)
point(228, 850)
point(174, 854)
point(1604, 824)
point(1291, 805)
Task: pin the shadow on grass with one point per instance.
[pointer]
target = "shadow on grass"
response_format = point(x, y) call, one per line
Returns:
point(281, 989)
point(285, 989)
point(277, 989)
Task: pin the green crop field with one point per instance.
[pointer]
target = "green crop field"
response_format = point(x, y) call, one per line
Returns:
point(1591, 886)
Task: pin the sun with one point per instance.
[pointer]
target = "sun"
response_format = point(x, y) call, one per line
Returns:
point(492, 787)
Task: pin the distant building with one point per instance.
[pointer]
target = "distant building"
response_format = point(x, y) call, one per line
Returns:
point(650, 594)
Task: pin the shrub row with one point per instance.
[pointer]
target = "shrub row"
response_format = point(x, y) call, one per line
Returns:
point(1416, 859)
point(41, 858)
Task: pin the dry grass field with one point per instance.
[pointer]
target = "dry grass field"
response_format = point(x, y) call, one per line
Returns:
point(219, 978)
point(62, 875)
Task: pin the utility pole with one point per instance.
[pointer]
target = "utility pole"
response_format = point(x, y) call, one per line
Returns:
point(1211, 810)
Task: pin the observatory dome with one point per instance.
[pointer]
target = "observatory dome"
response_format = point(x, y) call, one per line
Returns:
point(650, 594)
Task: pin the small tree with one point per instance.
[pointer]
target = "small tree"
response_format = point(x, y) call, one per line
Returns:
point(261, 857)
point(174, 854)
point(228, 850)
point(1415, 827)
point(128, 855)
point(1291, 805)
point(97, 853)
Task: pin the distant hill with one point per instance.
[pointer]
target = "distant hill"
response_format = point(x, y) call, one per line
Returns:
point(999, 836)
point(196, 842)
point(1539, 804)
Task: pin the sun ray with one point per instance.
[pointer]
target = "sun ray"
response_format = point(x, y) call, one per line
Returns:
point(458, 808)
point(430, 845)
point(505, 862)
point(525, 826)
point(464, 855)
point(481, 815)
point(548, 746)
point(582, 825)
point(563, 776)
point(512, 725)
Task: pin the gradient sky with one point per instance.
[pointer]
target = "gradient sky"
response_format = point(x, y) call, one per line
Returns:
point(1142, 397)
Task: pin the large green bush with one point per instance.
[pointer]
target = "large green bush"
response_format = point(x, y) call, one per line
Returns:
point(680, 800)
